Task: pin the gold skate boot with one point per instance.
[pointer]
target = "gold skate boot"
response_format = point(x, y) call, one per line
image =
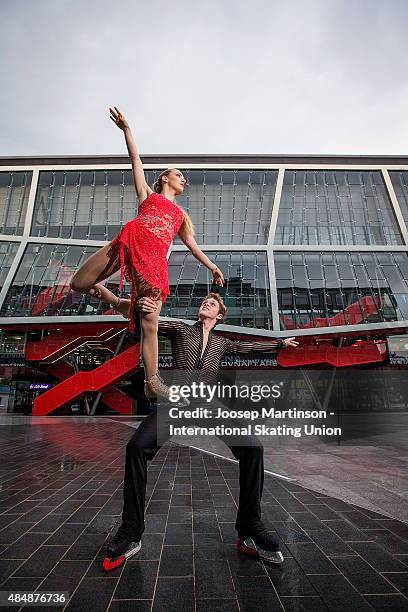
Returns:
point(155, 388)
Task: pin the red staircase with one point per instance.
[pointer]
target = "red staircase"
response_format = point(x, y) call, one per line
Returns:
point(102, 379)
point(365, 306)
point(114, 397)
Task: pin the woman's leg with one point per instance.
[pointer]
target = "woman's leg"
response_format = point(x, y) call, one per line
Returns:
point(97, 268)
point(149, 324)
point(154, 387)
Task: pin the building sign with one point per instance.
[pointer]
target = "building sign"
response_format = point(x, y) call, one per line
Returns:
point(248, 361)
point(233, 361)
point(40, 386)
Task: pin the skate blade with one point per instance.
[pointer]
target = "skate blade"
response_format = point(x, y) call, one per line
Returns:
point(248, 547)
point(110, 563)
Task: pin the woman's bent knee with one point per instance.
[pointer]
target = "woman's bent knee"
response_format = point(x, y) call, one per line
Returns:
point(76, 285)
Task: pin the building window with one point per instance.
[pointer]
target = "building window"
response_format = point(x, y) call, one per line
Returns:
point(229, 206)
point(245, 293)
point(399, 181)
point(7, 254)
point(84, 204)
point(331, 289)
point(14, 192)
point(41, 284)
point(335, 207)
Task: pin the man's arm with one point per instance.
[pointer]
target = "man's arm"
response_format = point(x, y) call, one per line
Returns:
point(261, 346)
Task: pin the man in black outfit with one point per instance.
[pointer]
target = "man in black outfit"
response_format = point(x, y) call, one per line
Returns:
point(197, 348)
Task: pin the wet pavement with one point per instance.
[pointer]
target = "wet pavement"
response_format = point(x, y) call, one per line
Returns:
point(61, 499)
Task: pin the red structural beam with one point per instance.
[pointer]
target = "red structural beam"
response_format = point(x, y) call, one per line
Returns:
point(101, 379)
point(114, 397)
point(306, 353)
point(55, 346)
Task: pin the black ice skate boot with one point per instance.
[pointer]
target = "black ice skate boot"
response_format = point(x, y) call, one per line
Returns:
point(258, 542)
point(118, 550)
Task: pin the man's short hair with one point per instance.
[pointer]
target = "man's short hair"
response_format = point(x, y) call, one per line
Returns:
point(222, 310)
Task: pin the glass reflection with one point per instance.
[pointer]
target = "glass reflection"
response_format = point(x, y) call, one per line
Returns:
point(399, 181)
point(230, 206)
point(226, 206)
point(41, 284)
point(14, 192)
point(335, 207)
point(7, 254)
point(84, 204)
point(246, 290)
point(341, 288)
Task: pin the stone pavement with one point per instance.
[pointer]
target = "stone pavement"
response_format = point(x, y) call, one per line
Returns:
point(60, 502)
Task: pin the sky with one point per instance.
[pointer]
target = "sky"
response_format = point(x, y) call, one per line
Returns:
point(226, 76)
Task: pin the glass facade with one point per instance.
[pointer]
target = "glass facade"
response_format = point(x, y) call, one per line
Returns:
point(85, 204)
point(329, 289)
point(41, 284)
point(7, 253)
point(245, 293)
point(226, 206)
point(400, 183)
point(14, 192)
point(230, 206)
point(335, 207)
point(232, 210)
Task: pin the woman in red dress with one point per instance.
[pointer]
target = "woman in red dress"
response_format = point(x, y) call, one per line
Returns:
point(140, 252)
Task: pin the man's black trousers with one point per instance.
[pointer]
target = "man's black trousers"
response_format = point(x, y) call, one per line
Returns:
point(143, 446)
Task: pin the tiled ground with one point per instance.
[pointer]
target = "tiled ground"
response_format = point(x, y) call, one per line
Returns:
point(61, 497)
point(370, 472)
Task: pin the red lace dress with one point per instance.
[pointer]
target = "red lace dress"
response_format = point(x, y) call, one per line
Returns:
point(142, 246)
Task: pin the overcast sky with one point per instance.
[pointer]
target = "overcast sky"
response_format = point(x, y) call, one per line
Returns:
point(213, 76)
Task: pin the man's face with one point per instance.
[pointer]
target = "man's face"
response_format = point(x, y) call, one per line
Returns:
point(210, 309)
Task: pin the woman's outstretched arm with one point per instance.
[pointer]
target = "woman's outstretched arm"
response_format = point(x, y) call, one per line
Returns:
point(191, 244)
point(142, 188)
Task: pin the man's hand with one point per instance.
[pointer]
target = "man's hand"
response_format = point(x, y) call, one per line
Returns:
point(96, 291)
point(102, 293)
point(290, 342)
point(145, 304)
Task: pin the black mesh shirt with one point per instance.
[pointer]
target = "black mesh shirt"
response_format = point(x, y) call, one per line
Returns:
point(187, 343)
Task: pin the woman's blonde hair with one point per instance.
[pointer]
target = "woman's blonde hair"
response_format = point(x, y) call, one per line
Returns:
point(187, 227)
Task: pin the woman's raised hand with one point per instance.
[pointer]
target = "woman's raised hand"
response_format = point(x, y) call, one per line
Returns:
point(218, 277)
point(118, 118)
